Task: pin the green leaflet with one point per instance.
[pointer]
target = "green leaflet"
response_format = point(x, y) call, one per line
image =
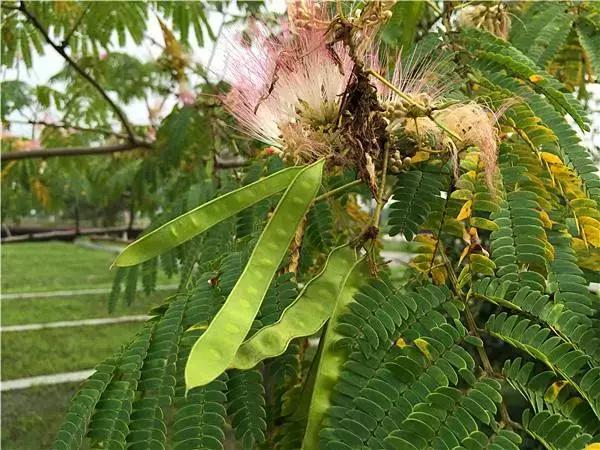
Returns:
point(214, 351)
point(200, 219)
point(305, 316)
point(333, 357)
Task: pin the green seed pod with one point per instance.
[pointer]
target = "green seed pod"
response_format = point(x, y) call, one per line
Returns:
point(214, 351)
point(304, 317)
point(188, 225)
point(332, 357)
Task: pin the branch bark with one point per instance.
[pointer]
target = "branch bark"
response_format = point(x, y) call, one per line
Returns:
point(61, 51)
point(105, 132)
point(73, 151)
point(104, 150)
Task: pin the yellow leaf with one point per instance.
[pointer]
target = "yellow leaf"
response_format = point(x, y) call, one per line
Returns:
point(420, 156)
point(426, 239)
point(536, 78)
point(464, 253)
point(423, 345)
point(587, 257)
point(552, 392)
point(462, 194)
point(401, 343)
point(465, 211)
point(546, 219)
point(40, 190)
point(439, 275)
point(6, 169)
point(586, 220)
point(593, 446)
point(550, 158)
point(592, 235)
point(471, 175)
point(583, 202)
point(483, 224)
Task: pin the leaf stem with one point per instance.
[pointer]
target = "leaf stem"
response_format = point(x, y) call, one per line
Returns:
point(381, 189)
point(474, 330)
point(337, 190)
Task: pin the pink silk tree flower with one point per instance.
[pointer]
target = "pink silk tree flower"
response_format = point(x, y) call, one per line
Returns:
point(425, 78)
point(186, 96)
point(286, 90)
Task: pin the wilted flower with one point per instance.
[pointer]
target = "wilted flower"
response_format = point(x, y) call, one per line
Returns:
point(491, 17)
point(413, 100)
point(286, 91)
point(308, 14)
point(470, 125)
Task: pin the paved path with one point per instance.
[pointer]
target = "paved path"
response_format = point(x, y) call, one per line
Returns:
point(57, 378)
point(50, 294)
point(74, 323)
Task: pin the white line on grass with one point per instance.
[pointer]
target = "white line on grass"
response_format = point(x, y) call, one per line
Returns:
point(74, 323)
point(57, 378)
point(50, 294)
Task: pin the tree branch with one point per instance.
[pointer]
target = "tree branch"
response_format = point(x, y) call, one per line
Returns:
point(74, 151)
point(105, 150)
point(61, 51)
point(103, 131)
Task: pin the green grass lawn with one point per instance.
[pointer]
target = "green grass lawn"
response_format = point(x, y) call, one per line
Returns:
point(24, 311)
point(42, 352)
point(57, 266)
point(30, 417)
point(53, 266)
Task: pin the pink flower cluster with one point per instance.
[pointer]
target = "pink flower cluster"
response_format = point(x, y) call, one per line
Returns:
point(285, 82)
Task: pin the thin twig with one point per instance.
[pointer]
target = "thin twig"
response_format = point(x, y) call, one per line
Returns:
point(337, 190)
point(474, 331)
point(439, 231)
point(61, 51)
point(380, 200)
point(67, 38)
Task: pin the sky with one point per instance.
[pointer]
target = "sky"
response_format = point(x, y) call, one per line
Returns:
point(48, 64)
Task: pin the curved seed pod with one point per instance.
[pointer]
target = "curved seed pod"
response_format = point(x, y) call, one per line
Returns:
point(332, 358)
point(214, 351)
point(304, 317)
point(200, 219)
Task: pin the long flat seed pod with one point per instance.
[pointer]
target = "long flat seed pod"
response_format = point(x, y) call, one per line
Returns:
point(304, 317)
point(200, 219)
point(214, 351)
point(333, 357)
